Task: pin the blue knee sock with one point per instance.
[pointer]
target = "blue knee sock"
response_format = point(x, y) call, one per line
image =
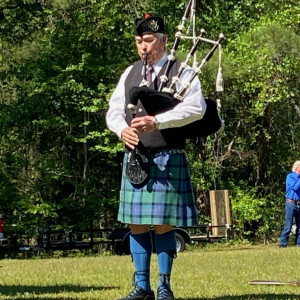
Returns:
point(141, 250)
point(166, 251)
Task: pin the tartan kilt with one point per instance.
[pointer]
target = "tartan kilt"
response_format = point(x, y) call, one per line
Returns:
point(166, 199)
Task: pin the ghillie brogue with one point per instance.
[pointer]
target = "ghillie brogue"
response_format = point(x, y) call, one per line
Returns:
point(164, 294)
point(139, 293)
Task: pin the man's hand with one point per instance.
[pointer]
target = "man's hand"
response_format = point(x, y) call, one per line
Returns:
point(130, 137)
point(143, 124)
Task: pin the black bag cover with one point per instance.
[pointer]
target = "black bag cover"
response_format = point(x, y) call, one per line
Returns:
point(156, 102)
point(153, 101)
point(209, 124)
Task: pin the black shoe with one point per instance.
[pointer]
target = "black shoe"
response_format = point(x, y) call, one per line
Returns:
point(139, 293)
point(164, 294)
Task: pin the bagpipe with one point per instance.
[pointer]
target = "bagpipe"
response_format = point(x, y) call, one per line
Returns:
point(166, 98)
point(156, 102)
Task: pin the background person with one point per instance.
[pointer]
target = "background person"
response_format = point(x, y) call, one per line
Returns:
point(167, 199)
point(292, 205)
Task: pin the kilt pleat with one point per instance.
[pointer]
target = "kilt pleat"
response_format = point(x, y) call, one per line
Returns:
point(166, 199)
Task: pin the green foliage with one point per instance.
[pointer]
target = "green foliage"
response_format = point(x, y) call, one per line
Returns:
point(55, 115)
point(263, 98)
point(60, 61)
point(254, 215)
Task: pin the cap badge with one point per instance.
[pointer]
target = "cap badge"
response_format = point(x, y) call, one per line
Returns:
point(153, 25)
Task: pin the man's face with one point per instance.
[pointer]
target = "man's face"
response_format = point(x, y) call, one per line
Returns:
point(151, 44)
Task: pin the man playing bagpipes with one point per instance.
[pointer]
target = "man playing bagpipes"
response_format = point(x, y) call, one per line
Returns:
point(156, 189)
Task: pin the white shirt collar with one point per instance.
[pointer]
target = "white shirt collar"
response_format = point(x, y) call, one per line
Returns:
point(158, 65)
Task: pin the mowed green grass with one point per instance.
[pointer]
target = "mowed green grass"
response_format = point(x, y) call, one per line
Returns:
point(198, 275)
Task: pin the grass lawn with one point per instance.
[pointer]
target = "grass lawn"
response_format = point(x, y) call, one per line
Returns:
point(198, 274)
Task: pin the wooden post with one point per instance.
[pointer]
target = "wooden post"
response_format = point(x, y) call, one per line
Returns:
point(220, 212)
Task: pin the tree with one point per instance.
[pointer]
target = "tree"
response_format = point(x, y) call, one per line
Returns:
point(60, 61)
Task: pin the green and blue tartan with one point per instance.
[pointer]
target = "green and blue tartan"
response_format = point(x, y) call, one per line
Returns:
point(166, 199)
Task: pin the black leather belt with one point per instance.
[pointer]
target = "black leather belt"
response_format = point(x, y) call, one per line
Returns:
point(161, 151)
point(158, 151)
point(292, 201)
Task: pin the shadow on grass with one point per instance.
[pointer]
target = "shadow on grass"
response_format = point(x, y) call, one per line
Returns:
point(249, 297)
point(16, 290)
point(53, 298)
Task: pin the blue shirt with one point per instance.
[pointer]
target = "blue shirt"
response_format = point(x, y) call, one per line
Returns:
point(293, 186)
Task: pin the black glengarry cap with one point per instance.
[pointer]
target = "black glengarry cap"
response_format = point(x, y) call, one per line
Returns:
point(149, 25)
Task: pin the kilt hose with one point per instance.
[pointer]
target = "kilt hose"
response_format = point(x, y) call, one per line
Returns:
point(166, 199)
